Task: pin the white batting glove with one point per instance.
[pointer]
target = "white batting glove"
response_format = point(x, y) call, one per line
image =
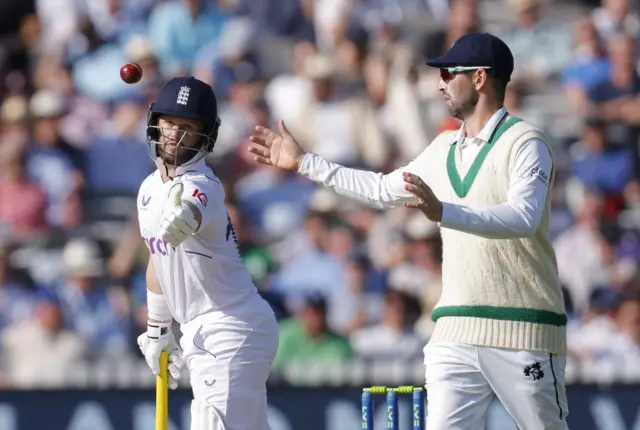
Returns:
point(157, 339)
point(177, 221)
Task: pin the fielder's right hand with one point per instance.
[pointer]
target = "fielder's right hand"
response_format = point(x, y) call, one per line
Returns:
point(158, 338)
point(276, 149)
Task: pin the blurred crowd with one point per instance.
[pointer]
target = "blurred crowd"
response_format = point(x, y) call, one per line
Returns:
point(348, 77)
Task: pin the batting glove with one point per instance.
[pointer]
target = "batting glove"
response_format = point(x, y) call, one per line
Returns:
point(157, 339)
point(177, 221)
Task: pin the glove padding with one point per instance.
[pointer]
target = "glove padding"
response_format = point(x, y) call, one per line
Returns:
point(177, 221)
point(152, 347)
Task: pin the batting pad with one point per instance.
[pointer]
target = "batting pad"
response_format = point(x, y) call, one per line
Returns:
point(205, 416)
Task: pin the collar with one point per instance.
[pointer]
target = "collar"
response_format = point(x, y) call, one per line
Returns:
point(487, 130)
point(198, 167)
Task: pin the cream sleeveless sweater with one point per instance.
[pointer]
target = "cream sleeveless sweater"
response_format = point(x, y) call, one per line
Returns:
point(502, 293)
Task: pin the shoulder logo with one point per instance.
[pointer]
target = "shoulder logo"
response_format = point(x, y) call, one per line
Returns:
point(145, 200)
point(183, 95)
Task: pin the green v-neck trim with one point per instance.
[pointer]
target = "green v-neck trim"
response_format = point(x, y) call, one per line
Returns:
point(462, 187)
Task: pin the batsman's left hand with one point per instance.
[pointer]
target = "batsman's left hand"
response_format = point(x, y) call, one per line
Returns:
point(177, 221)
point(427, 201)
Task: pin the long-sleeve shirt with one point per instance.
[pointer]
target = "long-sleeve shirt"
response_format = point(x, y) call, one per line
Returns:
point(519, 216)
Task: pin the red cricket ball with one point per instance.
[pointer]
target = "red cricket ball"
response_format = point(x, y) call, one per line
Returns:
point(131, 73)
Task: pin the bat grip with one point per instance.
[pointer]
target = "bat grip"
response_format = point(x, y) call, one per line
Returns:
point(162, 393)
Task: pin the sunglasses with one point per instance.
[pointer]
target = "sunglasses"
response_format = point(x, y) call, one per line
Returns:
point(448, 73)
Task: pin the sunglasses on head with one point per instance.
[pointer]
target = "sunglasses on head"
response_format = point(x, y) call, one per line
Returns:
point(448, 73)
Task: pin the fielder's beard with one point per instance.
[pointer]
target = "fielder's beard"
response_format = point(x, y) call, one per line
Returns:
point(465, 108)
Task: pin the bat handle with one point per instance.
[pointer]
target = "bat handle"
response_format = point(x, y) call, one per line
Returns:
point(162, 393)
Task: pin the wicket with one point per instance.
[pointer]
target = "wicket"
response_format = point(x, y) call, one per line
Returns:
point(417, 412)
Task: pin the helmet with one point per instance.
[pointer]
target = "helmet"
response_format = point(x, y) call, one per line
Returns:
point(190, 98)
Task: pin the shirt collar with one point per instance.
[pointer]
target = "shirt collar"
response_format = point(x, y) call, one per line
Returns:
point(487, 130)
point(198, 167)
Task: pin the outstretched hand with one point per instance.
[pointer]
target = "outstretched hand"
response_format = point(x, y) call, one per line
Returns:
point(276, 149)
point(427, 202)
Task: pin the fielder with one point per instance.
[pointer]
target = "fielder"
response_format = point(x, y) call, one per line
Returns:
point(195, 273)
point(500, 322)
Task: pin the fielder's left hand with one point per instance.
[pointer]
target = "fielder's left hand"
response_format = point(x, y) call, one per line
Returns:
point(177, 221)
point(427, 202)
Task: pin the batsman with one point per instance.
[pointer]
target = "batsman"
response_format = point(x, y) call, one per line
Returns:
point(500, 322)
point(195, 274)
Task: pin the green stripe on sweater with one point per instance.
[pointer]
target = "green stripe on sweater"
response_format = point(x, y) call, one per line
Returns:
point(462, 186)
point(534, 316)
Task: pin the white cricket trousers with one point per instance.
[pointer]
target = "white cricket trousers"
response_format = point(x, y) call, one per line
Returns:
point(229, 356)
point(461, 381)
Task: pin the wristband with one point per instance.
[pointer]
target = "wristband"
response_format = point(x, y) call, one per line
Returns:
point(157, 308)
point(158, 330)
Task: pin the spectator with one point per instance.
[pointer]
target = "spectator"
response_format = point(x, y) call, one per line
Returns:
point(54, 164)
point(122, 148)
point(590, 62)
point(339, 127)
point(307, 339)
point(312, 270)
point(597, 325)
point(600, 165)
point(16, 298)
point(395, 337)
point(622, 347)
point(288, 18)
point(621, 86)
point(23, 204)
point(613, 17)
point(541, 46)
point(178, 29)
point(98, 313)
point(420, 271)
point(287, 93)
point(580, 252)
point(95, 60)
point(232, 58)
point(361, 304)
point(39, 352)
point(463, 18)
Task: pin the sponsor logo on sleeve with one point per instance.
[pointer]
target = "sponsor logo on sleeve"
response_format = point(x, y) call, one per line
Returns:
point(540, 175)
point(202, 197)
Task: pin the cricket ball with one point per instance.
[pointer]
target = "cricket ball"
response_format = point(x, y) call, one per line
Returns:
point(131, 73)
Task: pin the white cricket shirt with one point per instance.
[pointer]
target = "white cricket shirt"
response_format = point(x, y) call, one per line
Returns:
point(520, 215)
point(205, 273)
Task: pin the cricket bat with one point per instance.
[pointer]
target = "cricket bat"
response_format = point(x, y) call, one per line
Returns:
point(162, 393)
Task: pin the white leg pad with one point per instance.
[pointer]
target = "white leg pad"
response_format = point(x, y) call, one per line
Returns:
point(205, 416)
